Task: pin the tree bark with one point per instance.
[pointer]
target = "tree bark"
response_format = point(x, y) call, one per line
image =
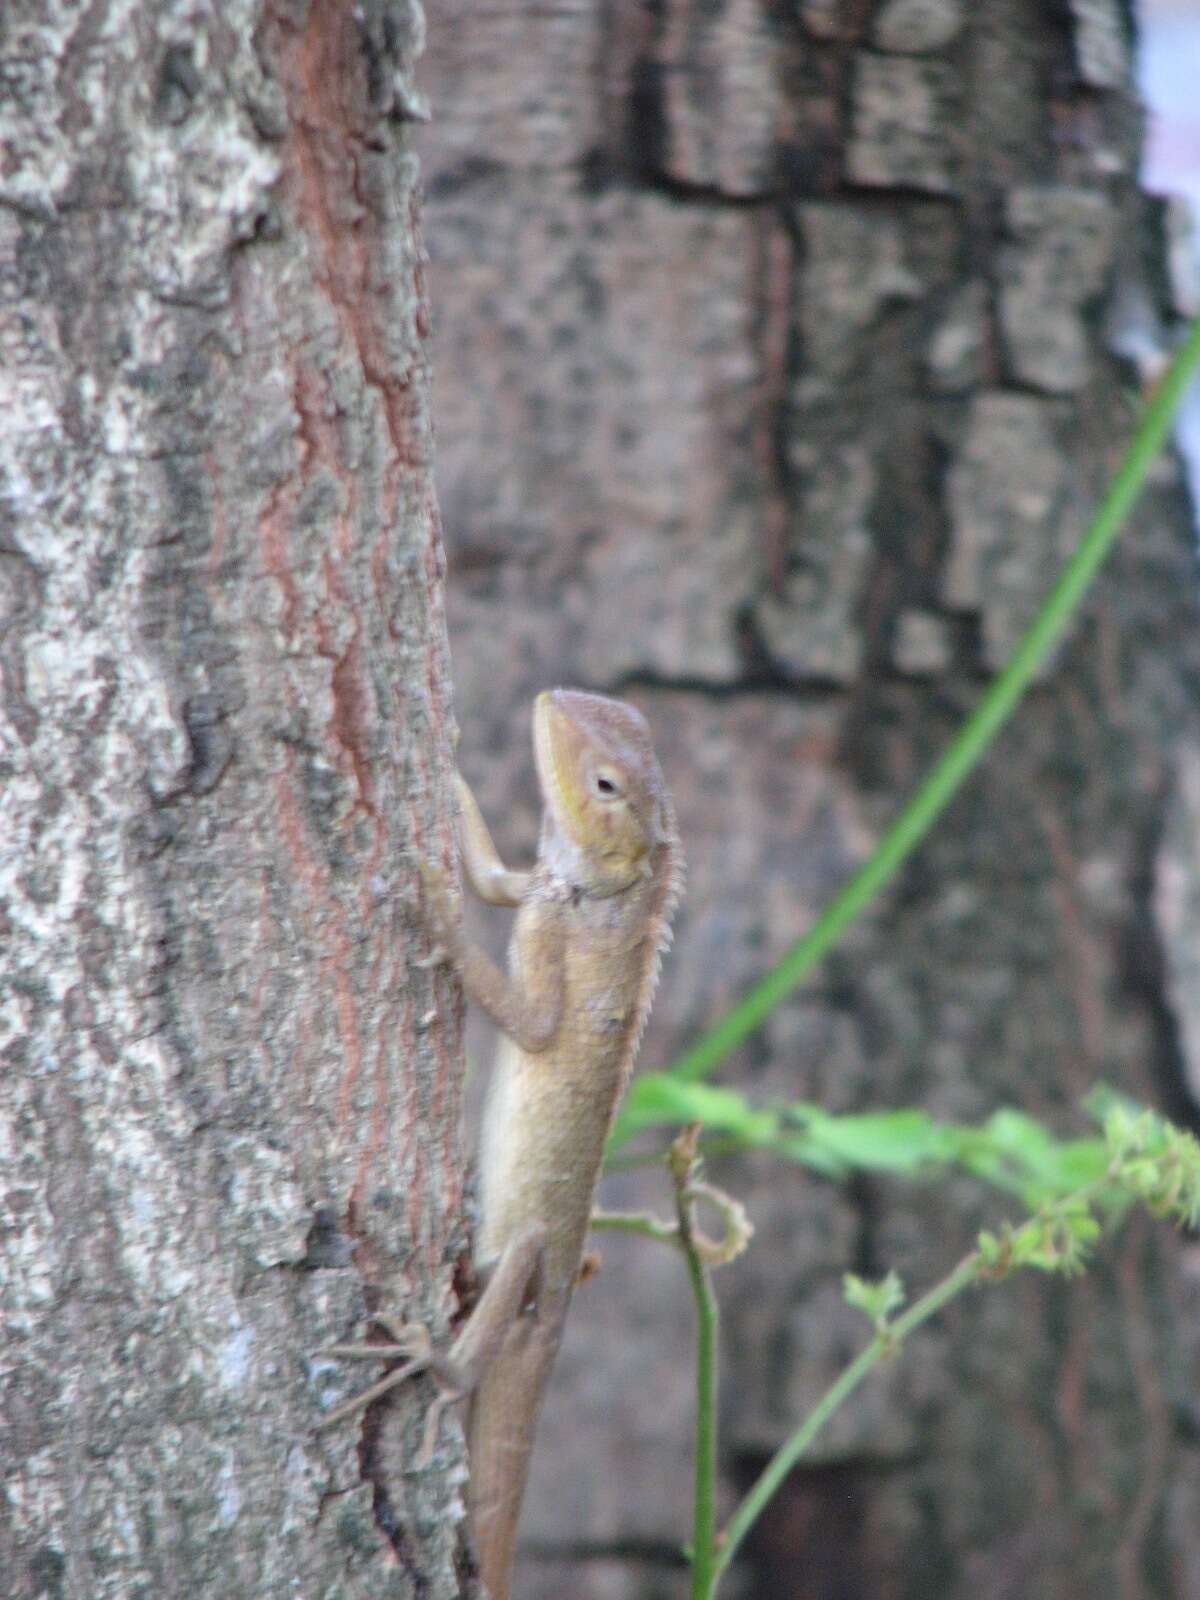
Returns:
point(230, 1095)
point(782, 353)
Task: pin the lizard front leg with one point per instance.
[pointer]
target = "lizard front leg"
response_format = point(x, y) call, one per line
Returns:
point(483, 869)
point(526, 1003)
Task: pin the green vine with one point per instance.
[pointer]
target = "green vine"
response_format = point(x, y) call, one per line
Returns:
point(966, 749)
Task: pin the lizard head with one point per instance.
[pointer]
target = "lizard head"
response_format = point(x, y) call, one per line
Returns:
point(606, 805)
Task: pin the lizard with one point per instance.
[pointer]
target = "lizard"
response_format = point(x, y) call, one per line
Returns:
point(593, 918)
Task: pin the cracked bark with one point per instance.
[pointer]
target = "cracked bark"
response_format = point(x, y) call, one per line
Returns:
point(229, 1097)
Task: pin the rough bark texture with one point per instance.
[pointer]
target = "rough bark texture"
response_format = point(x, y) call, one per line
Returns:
point(782, 351)
point(228, 1102)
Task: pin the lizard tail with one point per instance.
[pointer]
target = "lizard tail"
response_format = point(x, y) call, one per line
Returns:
point(500, 1429)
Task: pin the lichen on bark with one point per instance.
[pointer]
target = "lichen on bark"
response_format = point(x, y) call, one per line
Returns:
point(223, 727)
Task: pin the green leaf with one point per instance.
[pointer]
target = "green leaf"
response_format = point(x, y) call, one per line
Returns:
point(1020, 1154)
point(659, 1100)
point(1155, 1161)
point(904, 1141)
point(875, 1300)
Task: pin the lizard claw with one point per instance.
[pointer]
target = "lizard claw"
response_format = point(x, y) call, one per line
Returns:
point(410, 1343)
point(375, 1392)
point(409, 1340)
point(439, 956)
point(413, 1338)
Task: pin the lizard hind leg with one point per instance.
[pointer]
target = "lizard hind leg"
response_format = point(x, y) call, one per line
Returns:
point(515, 1282)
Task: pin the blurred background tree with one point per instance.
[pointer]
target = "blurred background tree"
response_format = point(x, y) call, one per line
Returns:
point(781, 352)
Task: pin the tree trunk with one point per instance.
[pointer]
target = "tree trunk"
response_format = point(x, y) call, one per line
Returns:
point(229, 1096)
point(783, 352)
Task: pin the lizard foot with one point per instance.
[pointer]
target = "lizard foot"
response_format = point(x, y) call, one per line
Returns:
point(410, 1344)
point(413, 1347)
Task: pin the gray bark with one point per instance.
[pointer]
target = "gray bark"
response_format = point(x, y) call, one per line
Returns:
point(782, 352)
point(229, 1097)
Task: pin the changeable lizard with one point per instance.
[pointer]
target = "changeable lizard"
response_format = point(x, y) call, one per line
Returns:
point(593, 917)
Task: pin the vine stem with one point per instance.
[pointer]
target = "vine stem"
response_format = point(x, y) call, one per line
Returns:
point(705, 1562)
point(973, 738)
point(781, 1463)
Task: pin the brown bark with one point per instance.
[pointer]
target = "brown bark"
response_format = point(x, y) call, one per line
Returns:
point(230, 1098)
point(781, 353)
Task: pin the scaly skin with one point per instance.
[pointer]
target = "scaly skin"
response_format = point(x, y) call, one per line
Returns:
point(584, 956)
point(593, 918)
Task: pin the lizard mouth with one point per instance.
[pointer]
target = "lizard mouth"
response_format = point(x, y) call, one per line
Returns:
point(543, 740)
point(552, 730)
point(559, 743)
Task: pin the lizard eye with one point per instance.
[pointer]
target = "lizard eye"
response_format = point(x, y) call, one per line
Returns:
point(607, 787)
